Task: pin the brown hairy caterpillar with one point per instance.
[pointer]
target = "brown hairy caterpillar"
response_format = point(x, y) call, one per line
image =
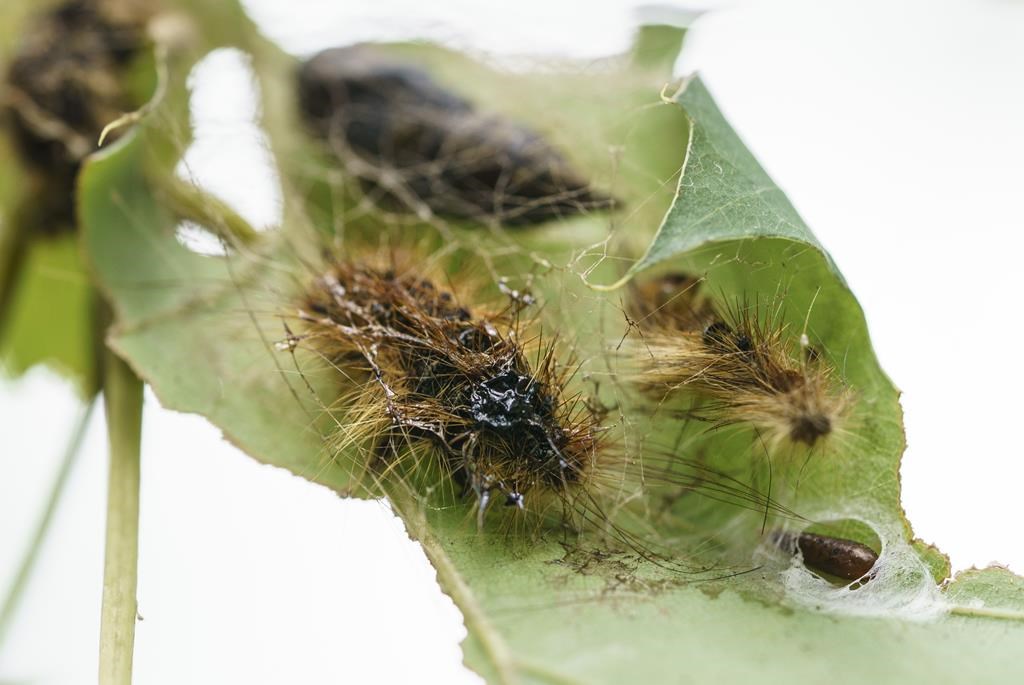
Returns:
point(740, 365)
point(456, 378)
point(428, 150)
point(63, 86)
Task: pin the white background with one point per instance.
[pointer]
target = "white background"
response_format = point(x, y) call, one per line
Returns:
point(895, 128)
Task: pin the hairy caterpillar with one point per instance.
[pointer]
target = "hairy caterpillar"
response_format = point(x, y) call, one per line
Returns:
point(741, 365)
point(456, 378)
point(63, 86)
point(429, 150)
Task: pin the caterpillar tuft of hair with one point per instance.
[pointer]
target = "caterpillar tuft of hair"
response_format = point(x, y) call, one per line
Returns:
point(429, 370)
point(738, 365)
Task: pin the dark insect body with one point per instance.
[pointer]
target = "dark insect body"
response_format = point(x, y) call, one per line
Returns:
point(430, 150)
point(739, 367)
point(63, 86)
point(440, 373)
point(846, 559)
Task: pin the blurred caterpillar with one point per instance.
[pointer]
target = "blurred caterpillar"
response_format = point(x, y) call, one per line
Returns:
point(429, 150)
point(738, 366)
point(66, 81)
point(432, 378)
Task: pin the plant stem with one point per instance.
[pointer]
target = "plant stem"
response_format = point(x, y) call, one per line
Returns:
point(13, 245)
point(986, 612)
point(71, 451)
point(122, 394)
point(192, 203)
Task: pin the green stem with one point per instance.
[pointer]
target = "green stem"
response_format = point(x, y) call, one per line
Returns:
point(13, 244)
point(122, 394)
point(17, 588)
point(986, 612)
point(191, 203)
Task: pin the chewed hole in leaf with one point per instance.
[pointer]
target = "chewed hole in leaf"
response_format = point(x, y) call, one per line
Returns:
point(200, 240)
point(229, 157)
point(898, 583)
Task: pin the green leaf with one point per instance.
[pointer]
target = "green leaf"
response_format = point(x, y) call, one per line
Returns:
point(201, 331)
point(183, 319)
point(724, 193)
point(50, 320)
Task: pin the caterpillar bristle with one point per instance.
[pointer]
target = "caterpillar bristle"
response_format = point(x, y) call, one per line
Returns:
point(430, 371)
point(742, 365)
point(674, 301)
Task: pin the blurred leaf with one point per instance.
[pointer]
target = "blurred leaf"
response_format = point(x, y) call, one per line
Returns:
point(51, 320)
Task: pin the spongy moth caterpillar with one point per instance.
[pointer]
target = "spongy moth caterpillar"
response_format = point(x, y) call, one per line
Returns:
point(455, 377)
point(63, 85)
point(738, 365)
point(430, 151)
